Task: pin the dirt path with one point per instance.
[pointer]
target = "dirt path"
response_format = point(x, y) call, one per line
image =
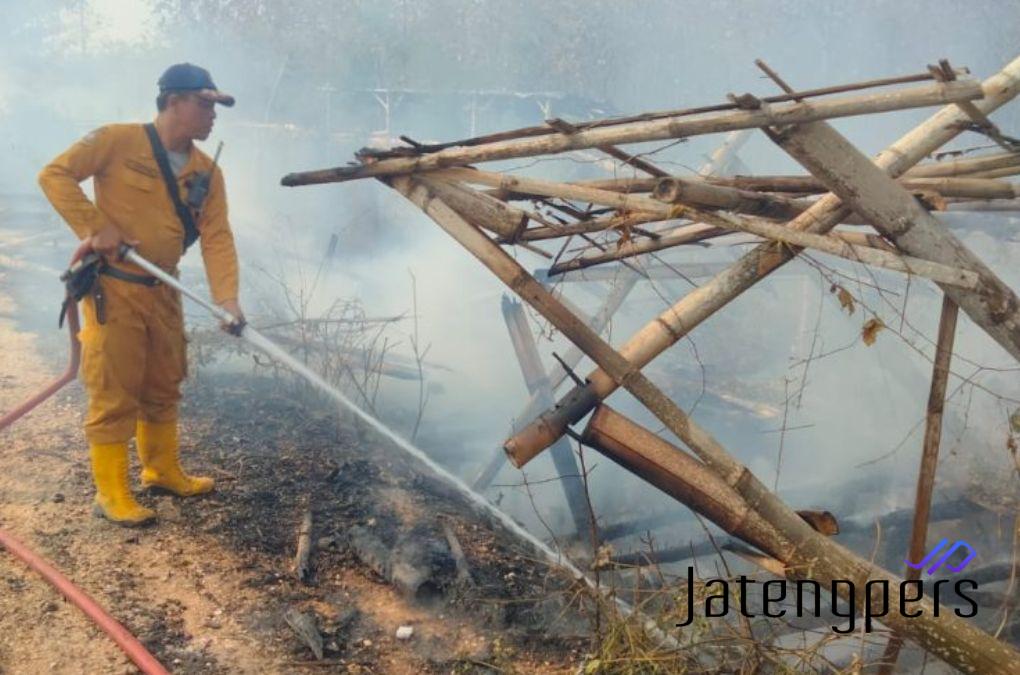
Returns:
point(206, 589)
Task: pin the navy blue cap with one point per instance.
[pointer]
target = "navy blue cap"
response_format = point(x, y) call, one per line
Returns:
point(189, 77)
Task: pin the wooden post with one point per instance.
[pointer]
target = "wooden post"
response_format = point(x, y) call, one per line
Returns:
point(654, 130)
point(929, 458)
point(538, 383)
point(703, 302)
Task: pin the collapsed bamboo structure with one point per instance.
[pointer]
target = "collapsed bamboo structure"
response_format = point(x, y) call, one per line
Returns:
point(633, 218)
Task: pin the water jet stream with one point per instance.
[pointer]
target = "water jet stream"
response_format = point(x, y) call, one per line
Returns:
point(274, 351)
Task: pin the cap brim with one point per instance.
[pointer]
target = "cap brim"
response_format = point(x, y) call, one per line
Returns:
point(216, 96)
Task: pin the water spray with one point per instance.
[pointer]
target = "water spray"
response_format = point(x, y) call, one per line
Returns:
point(277, 353)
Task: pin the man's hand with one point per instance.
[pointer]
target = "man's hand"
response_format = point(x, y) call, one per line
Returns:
point(235, 311)
point(107, 241)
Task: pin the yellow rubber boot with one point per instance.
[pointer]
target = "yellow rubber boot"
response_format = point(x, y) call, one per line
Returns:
point(114, 500)
point(161, 467)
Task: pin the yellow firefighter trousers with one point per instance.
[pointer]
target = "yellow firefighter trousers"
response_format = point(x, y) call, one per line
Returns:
point(133, 364)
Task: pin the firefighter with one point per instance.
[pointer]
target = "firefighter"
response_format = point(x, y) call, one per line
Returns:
point(133, 344)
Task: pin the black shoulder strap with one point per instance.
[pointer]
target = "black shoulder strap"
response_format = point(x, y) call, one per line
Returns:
point(187, 220)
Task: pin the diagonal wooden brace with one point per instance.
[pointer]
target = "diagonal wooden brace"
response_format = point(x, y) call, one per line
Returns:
point(899, 216)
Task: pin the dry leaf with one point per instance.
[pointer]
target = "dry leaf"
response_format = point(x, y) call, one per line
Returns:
point(870, 330)
point(933, 201)
point(846, 301)
point(603, 557)
point(821, 521)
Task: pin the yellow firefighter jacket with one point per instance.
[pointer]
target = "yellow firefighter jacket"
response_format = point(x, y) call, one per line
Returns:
point(131, 194)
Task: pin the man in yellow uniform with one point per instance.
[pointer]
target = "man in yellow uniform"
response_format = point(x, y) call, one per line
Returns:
point(133, 345)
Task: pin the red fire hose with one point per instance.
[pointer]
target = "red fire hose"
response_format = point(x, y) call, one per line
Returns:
point(128, 643)
point(72, 367)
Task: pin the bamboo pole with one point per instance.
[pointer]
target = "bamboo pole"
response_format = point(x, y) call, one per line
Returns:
point(623, 283)
point(589, 226)
point(997, 173)
point(548, 188)
point(959, 167)
point(868, 239)
point(490, 213)
point(700, 193)
point(830, 244)
point(896, 214)
point(703, 302)
point(674, 271)
point(949, 186)
point(977, 188)
point(537, 381)
point(673, 471)
point(984, 206)
point(684, 234)
point(787, 537)
point(544, 130)
point(656, 130)
point(722, 155)
point(929, 458)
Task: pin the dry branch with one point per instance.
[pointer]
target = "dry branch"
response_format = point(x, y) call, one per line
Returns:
point(457, 552)
point(678, 236)
point(302, 558)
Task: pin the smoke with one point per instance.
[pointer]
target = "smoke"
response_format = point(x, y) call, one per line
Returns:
point(317, 80)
